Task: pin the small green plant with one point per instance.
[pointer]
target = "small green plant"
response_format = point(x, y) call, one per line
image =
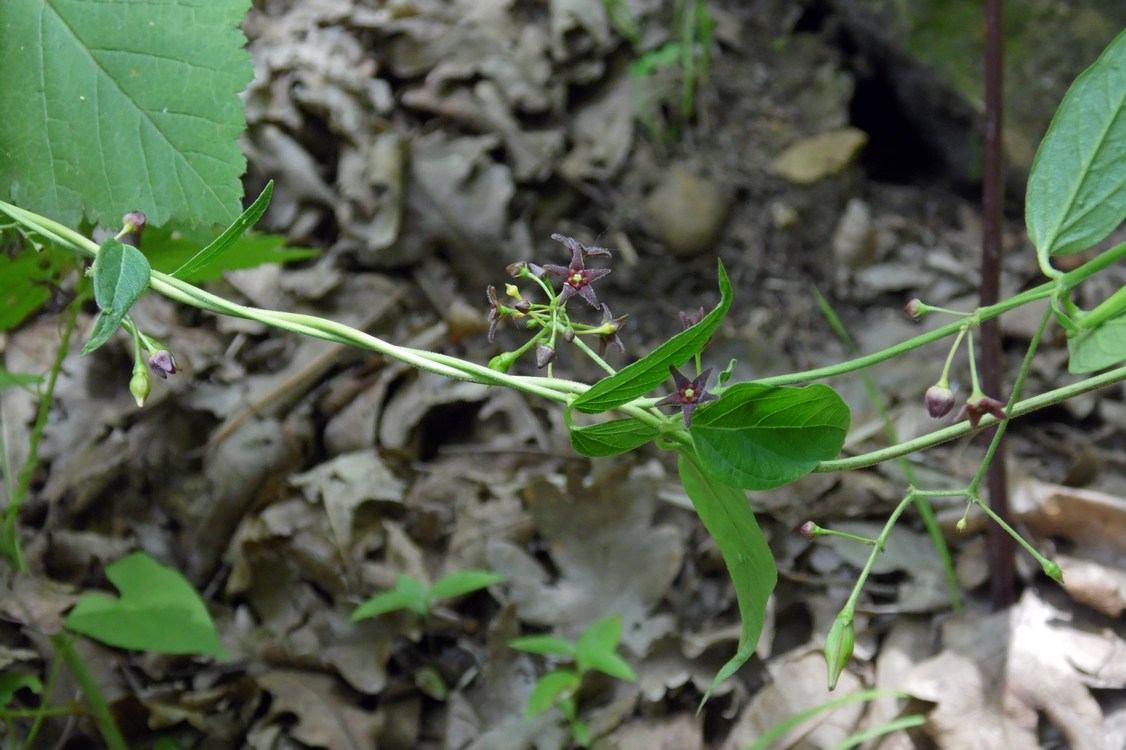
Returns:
point(595, 650)
point(668, 78)
point(413, 595)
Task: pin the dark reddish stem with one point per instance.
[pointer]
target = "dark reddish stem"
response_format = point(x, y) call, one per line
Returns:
point(1000, 544)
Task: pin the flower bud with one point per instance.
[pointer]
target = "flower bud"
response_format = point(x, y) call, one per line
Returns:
point(940, 400)
point(838, 647)
point(962, 525)
point(139, 385)
point(568, 334)
point(915, 309)
point(1053, 570)
point(523, 307)
point(502, 362)
point(162, 364)
point(810, 530)
point(133, 222)
point(544, 355)
point(512, 291)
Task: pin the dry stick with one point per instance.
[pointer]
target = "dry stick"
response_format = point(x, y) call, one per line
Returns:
point(1000, 546)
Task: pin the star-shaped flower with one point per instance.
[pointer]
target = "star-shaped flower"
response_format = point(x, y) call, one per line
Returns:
point(609, 328)
point(979, 405)
point(689, 393)
point(576, 277)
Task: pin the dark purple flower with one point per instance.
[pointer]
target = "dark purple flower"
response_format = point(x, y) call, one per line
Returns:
point(495, 311)
point(688, 321)
point(979, 405)
point(544, 355)
point(608, 335)
point(576, 277)
point(689, 393)
point(162, 364)
point(940, 400)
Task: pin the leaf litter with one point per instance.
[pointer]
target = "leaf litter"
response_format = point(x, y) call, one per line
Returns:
point(290, 481)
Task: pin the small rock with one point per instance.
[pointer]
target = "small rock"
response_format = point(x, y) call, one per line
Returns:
point(686, 212)
point(853, 241)
point(813, 159)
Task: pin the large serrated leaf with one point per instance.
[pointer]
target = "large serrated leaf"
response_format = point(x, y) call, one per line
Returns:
point(758, 437)
point(158, 610)
point(642, 376)
point(117, 106)
point(1077, 188)
point(728, 517)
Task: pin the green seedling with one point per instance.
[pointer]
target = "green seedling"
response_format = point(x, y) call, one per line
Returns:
point(413, 595)
point(595, 650)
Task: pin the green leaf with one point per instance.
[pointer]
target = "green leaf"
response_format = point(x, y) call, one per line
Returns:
point(121, 276)
point(550, 688)
point(158, 610)
point(1095, 349)
point(644, 375)
point(12, 682)
point(408, 593)
point(727, 516)
point(464, 582)
point(548, 645)
point(611, 438)
point(598, 646)
point(19, 380)
point(759, 437)
point(169, 250)
point(1077, 188)
point(229, 237)
point(25, 284)
point(792, 721)
point(120, 106)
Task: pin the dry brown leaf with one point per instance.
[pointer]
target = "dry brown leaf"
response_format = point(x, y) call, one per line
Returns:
point(797, 683)
point(325, 717)
point(609, 556)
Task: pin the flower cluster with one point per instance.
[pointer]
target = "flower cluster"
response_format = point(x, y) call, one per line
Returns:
point(551, 319)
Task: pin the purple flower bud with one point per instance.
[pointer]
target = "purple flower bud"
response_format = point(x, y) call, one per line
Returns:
point(809, 530)
point(940, 400)
point(568, 334)
point(544, 355)
point(134, 221)
point(162, 364)
point(523, 306)
point(915, 309)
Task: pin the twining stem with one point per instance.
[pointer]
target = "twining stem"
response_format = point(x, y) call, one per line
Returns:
point(103, 717)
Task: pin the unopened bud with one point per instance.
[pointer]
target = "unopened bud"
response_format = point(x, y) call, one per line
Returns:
point(502, 362)
point(1054, 571)
point(961, 525)
point(512, 291)
point(810, 530)
point(139, 385)
point(915, 309)
point(940, 400)
point(544, 355)
point(568, 334)
point(133, 222)
point(838, 647)
point(162, 364)
point(523, 307)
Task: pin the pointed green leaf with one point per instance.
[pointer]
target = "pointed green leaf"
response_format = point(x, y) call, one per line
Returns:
point(158, 610)
point(759, 437)
point(408, 593)
point(550, 688)
point(168, 251)
point(121, 276)
point(1077, 188)
point(598, 646)
point(727, 516)
point(611, 438)
point(464, 582)
point(117, 106)
point(1094, 349)
point(642, 376)
point(232, 234)
point(548, 645)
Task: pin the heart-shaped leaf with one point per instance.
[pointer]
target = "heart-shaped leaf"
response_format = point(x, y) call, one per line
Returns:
point(121, 276)
point(758, 437)
point(158, 610)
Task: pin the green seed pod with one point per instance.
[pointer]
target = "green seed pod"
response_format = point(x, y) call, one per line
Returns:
point(838, 647)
